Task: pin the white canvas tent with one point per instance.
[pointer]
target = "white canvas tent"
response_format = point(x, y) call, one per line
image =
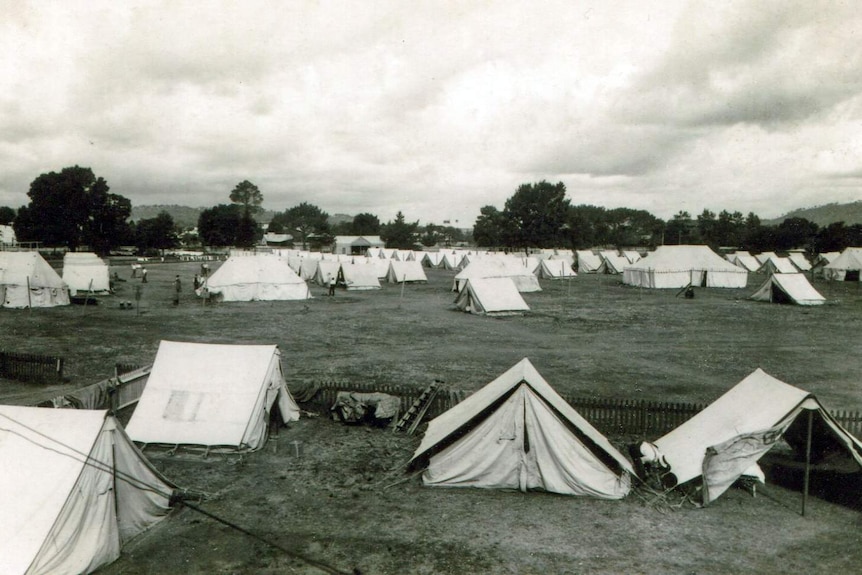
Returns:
point(212, 395)
point(405, 271)
point(432, 259)
point(359, 276)
point(555, 269)
point(679, 266)
point(788, 288)
point(491, 296)
point(74, 489)
point(777, 265)
point(845, 267)
point(800, 261)
point(27, 280)
point(588, 262)
point(725, 440)
point(499, 267)
point(261, 277)
point(324, 270)
point(85, 272)
point(518, 433)
point(612, 263)
point(744, 260)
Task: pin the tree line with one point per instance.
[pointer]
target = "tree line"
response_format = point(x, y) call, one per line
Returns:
point(74, 208)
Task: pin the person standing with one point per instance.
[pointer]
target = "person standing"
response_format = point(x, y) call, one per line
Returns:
point(143, 275)
point(178, 287)
point(332, 285)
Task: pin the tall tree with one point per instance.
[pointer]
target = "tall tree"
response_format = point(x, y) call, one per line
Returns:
point(248, 196)
point(365, 224)
point(488, 230)
point(158, 233)
point(217, 226)
point(399, 234)
point(303, 221)
point(73, 208)
point(7, 215)
point(536, 215)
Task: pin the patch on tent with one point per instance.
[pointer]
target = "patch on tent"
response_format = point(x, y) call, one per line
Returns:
point(183, 406)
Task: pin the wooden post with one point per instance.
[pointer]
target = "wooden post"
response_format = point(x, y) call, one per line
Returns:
point(29, 301)
point(807, 461)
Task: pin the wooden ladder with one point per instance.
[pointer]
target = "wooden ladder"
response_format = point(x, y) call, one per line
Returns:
point(414, 415)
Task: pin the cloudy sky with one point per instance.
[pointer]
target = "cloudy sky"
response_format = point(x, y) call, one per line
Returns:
point(438, 108)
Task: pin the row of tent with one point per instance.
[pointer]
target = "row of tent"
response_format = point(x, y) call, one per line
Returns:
point(80, 486)
point(27, 280)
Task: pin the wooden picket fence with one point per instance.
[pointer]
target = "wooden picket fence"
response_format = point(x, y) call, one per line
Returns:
point(31, 367)
point(637, 418)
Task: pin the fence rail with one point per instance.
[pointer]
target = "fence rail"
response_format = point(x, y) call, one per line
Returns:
point(642, 419)
point(31, 367)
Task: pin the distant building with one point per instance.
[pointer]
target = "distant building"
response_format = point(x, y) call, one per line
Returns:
point(277, 240)
point(356, 245)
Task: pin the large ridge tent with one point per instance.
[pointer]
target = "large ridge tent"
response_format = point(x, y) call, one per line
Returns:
point(27, 280)
point(788, 288)
point(729, 436)
point(405, 271)
point(845, 267)
point(491, 296)
point(73, 490)
point(212, 395)
point(85, 272)
point(679, 266)
point(261, 277)
point(518, 433)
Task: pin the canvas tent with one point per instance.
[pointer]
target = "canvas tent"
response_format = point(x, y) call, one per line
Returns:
point(788, 288)
point(212, 395)
point(432, 259)
point(491, 296)
point(588, 262)
point(518, 433)
point(261, 277)
point(679, 266)
point(85, 272)
point(554, 269)
point(405, 271)
point(358, 276)
point(744, 260)
point(499, 267)
point(74, 489)
point(729, 436)
point(777, 265)
point(27, 280)
point(800, 261)
point(846, 267)
point(612, 263)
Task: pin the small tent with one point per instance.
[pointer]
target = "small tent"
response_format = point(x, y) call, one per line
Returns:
point(27, 280)
point(358, 276)
point(846, 267)
point(518, 433)
point(261, 277)
point(612, 263)
point(788, 288)
point(432, 259)
point(553, 269)
point(679, 266)
point(85, 272)
point(744, 260)
point(409, 271)
point(212, 395)
point(777, 265)
point(74, 489)
point(499, 267)
point(324, 270)
point(491, 296)
point(588, 262)
point(799, 261)
point(727, 438)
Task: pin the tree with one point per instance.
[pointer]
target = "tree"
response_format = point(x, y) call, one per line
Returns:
point(488, 230)
point(678, 231)
point(158, 233)
point(7, 215)
point(217, 226)
point(303, 221)
point(248, 196)
point(431, 235)
point(365, 224)
point(74, 208)
point(399, 234)
point(795, 233)
point(535, 215)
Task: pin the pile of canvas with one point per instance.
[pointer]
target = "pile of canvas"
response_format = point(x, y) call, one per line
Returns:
point(73, 490)
point(27, 280)
point(518, 433)
point(212, 395)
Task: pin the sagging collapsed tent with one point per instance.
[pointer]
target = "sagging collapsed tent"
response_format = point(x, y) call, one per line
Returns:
point(788, 288)
point(679, 266)
point(491, 296)
point(518, 433)
point(85, 272)
point(726, 439)
point(74, 489)
point(27, 280)
point(212, 395)
point(260, 277)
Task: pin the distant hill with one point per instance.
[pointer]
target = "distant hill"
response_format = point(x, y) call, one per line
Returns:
point(824, 215)
point(187, 217)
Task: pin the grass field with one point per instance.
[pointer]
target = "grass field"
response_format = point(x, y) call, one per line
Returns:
point(588, 337)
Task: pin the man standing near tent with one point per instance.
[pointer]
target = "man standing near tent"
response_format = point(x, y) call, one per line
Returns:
point(143, 275)
point(331, 285)
point(178, 286)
